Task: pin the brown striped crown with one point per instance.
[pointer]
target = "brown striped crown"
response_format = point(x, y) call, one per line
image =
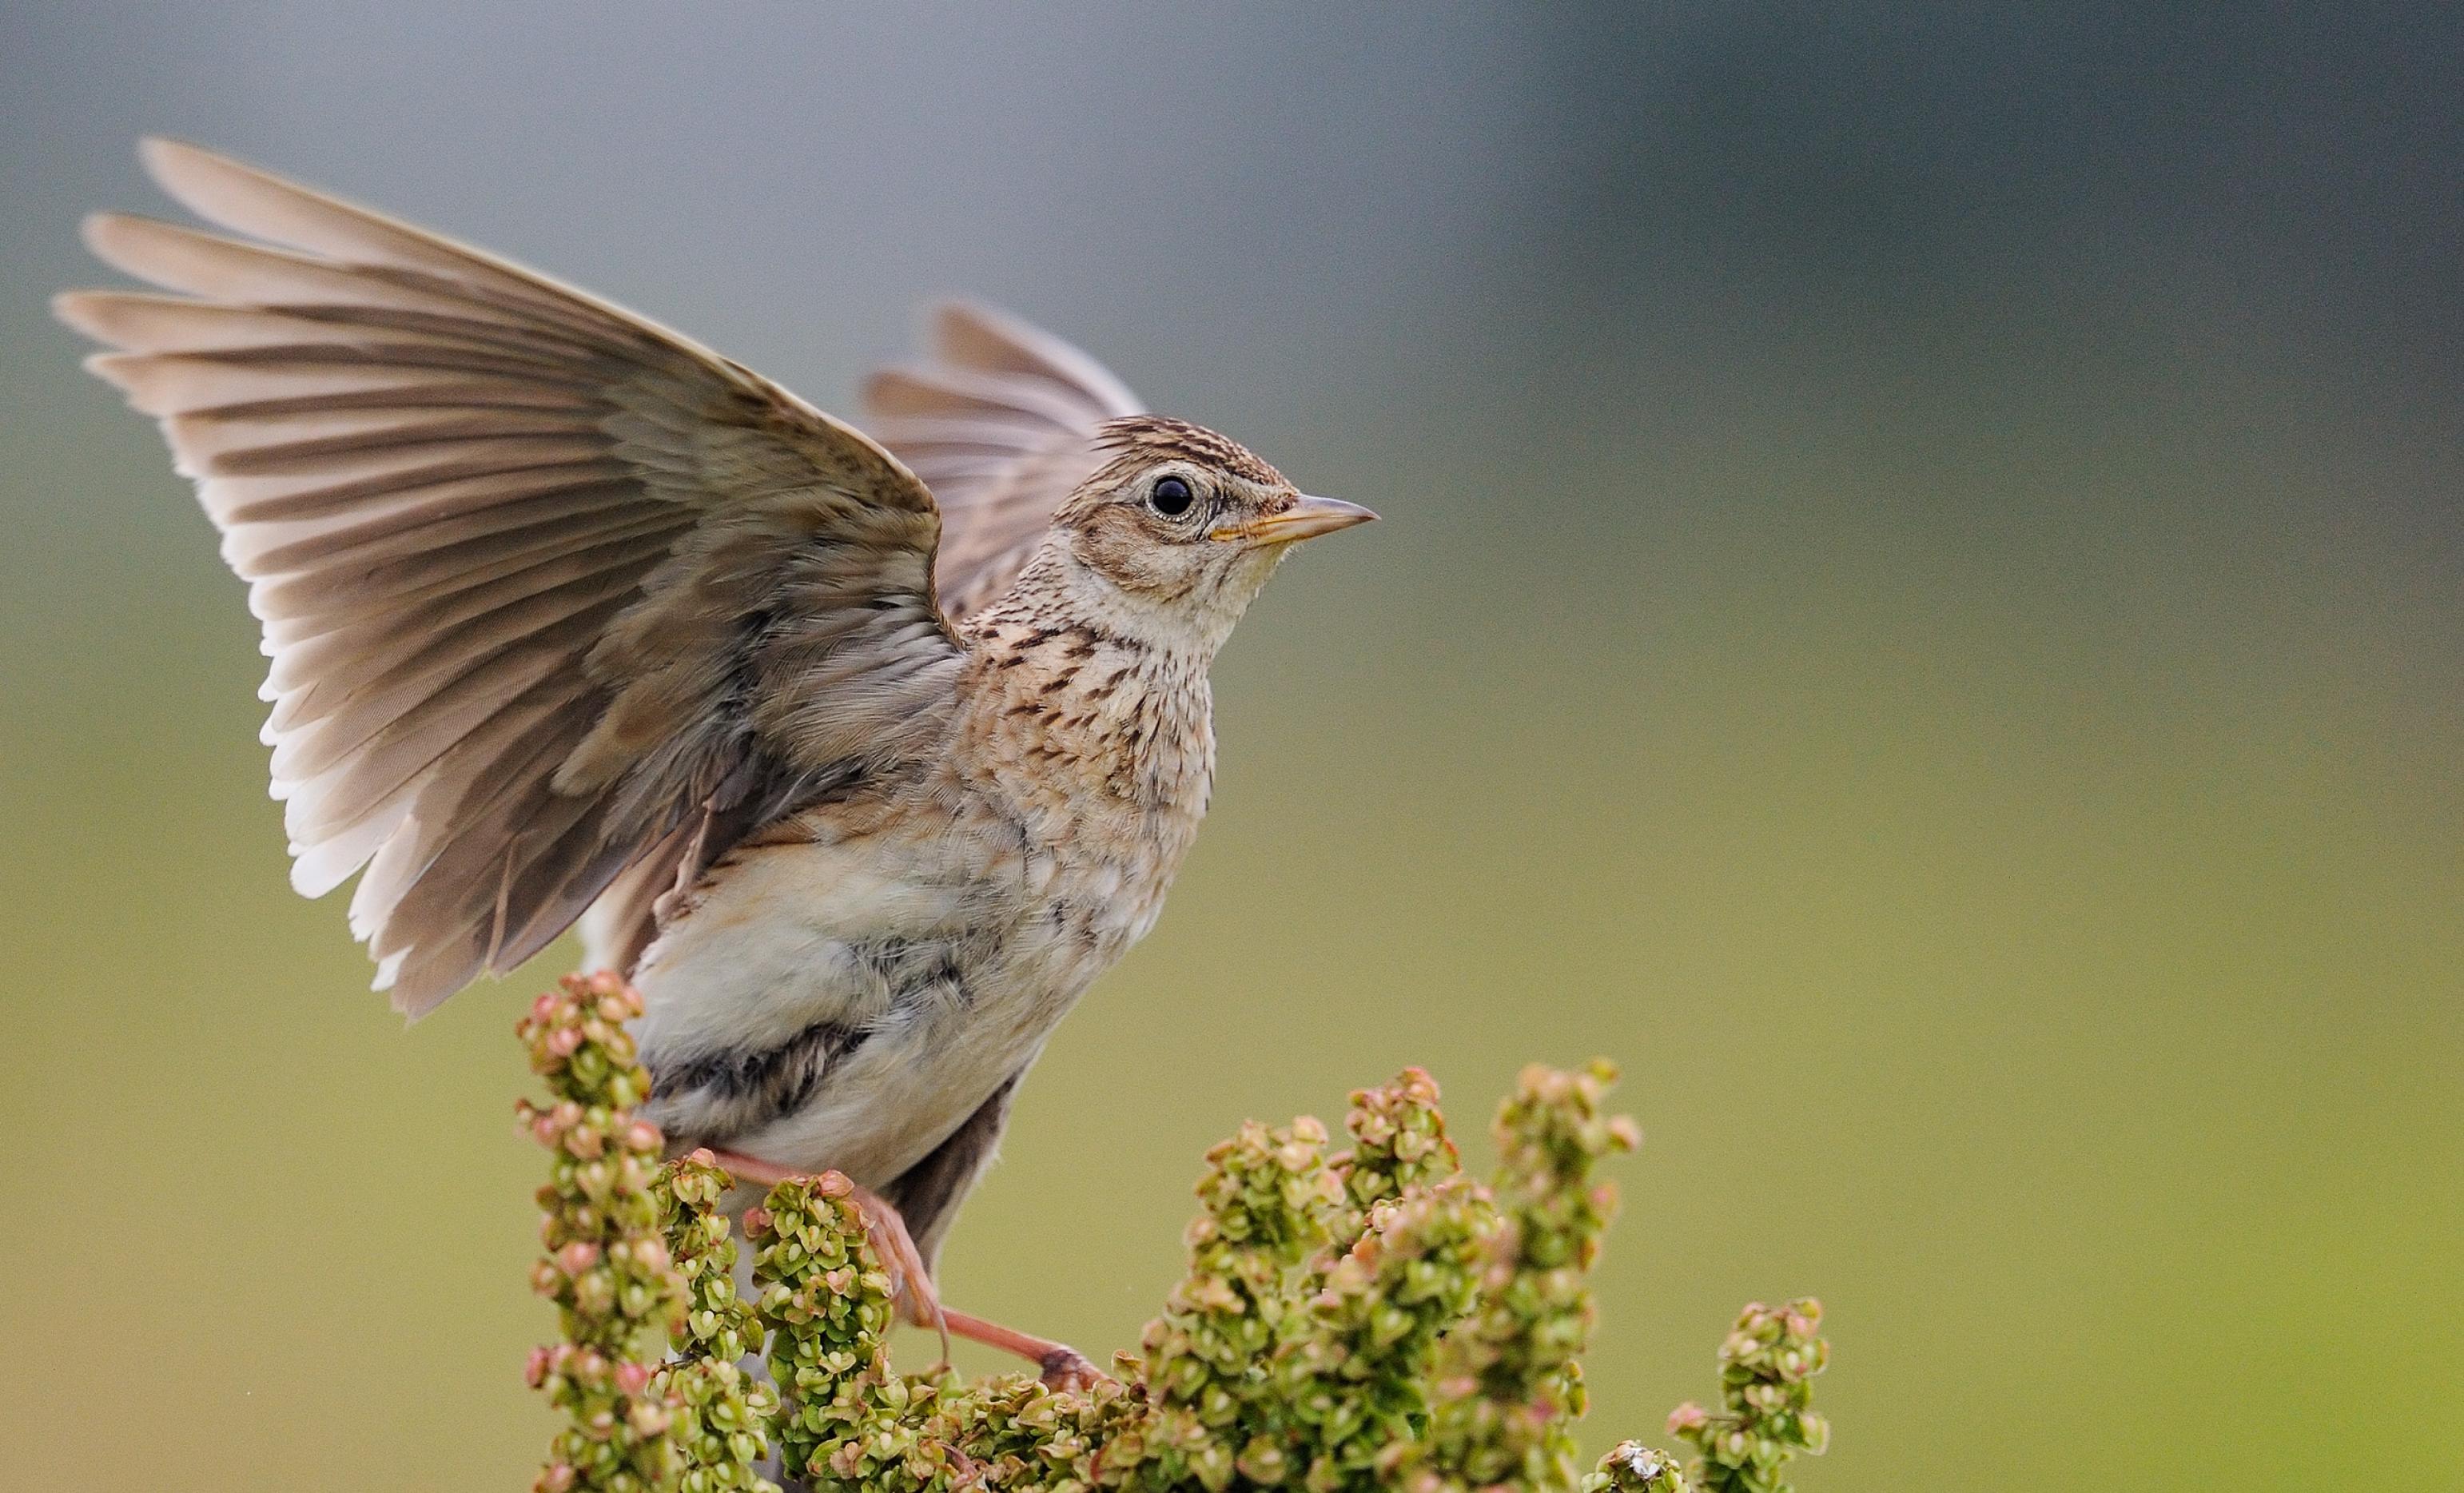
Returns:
point(1149, 436)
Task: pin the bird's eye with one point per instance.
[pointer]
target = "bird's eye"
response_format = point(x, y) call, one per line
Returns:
point(1170, 497)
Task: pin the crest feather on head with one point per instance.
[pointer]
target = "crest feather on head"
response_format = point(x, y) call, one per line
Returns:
point(1149, 436)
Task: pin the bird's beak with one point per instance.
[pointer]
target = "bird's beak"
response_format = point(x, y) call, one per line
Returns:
point(1304, 520)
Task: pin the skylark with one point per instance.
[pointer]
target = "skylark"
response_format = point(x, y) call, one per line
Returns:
point(861, 754)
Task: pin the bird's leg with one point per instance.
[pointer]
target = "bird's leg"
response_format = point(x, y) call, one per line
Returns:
point(911, 1283)
point(1059, 1365)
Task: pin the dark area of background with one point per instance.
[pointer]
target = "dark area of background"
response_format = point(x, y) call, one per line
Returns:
point(1922, 609)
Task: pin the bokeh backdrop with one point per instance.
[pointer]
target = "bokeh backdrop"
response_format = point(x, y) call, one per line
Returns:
point(1921, 609)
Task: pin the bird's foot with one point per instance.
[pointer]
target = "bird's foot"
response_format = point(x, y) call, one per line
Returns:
point(1059, 1365)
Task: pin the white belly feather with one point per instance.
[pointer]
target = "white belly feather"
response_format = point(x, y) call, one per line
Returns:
point(790, 938)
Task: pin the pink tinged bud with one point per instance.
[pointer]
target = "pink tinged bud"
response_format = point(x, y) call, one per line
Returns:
point(535, 1368)
point(605, 987)
point(559, 1476)
point(833, 1184)
point(577, 1257)
point(544, 1279)
point(644, 1137)
point(647, 1420)
point(563, 1043)
point(1688, 1416)
point(632, 1378)
point(541, 1010)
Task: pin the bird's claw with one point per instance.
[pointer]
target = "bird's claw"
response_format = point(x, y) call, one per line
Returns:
point(1067, 1368)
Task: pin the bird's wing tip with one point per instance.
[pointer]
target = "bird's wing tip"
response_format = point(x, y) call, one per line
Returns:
point(76, 309)
point(163, 155)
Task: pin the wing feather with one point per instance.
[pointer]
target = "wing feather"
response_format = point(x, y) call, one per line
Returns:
point(541, 581)
point(1001, 421)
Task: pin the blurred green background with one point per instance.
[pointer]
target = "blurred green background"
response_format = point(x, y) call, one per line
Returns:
point(1922, 610)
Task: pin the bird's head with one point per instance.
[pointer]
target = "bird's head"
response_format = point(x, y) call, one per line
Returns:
point(1171, 538)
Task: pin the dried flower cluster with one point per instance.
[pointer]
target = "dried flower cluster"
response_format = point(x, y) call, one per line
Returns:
point(723, 1413)
point(606, 1262)
point(1510, 1388)
point(827, 1303)
point(1764, 1365)
point(1365, 1319)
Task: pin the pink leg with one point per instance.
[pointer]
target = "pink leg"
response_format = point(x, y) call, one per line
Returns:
point(1060, 1366)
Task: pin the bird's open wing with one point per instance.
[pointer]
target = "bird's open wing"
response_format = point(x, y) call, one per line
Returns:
point(541, 582)
point(1001, 423)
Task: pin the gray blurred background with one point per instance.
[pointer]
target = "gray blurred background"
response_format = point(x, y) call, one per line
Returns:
point(1922, 610)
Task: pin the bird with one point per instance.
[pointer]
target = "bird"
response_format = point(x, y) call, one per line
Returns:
point(861, 753)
